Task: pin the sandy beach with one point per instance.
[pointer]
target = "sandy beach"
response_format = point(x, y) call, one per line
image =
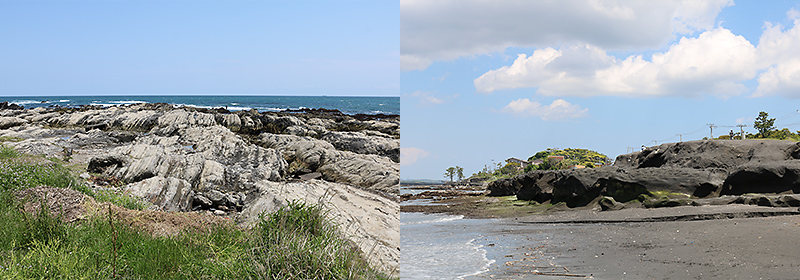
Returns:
point(706, 242)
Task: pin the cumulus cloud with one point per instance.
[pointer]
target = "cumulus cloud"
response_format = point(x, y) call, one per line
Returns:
point(411, 155)
point(560, 109)
point(444, 30)
point(714, 62)
point(777, 51)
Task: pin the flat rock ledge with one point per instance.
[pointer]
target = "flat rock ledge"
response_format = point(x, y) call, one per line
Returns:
point(233, 164)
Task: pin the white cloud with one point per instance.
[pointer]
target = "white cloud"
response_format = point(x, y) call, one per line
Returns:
point(714, 62)
point(411, 155)
point(444, 30)
point(558, 110)
point(777, 50)
point(793, 14)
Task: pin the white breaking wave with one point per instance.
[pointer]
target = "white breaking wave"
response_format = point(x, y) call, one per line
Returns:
point(438, 219)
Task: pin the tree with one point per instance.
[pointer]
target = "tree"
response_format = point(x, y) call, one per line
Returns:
point(459, 173)
point(764, 124)
point(450, 172)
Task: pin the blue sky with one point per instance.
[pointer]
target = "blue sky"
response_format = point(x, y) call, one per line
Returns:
point(345, 48)
point(482, 81)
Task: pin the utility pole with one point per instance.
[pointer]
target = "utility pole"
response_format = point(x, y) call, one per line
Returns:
point(711, 126)
point(681, 137)
point(655, 142)
point(741, 130)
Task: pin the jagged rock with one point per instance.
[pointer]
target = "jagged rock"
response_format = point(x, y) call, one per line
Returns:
point(9, 106)
point(7, 122)
point(502, 188)
point(169, 194)
point(764, 177)
point(359, 142)
point(370, 220)
point(167, 154)
point(577, 187)
point(537, 186)
point(369, 171)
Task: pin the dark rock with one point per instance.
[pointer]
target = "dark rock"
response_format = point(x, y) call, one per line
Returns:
point(202, 201)
point(627, 184)
point(502, 187)
point(577, 187)
point(702, 154)
point(765, 177)
point(101, 164)
point(10, 106)
point(536, 186)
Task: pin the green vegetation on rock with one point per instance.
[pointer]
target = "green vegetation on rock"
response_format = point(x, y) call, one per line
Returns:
point(585, 157)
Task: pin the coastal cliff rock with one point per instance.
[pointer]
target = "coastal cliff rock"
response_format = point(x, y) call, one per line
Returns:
point(237, 164)
point(700, 169)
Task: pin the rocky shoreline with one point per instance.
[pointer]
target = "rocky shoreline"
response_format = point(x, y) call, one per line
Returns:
point(702, 209)
point(231, 164)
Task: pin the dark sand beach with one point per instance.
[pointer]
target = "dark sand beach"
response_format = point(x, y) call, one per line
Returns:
point(705, 242)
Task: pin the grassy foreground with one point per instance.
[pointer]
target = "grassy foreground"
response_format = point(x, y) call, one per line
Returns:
point(298, 242)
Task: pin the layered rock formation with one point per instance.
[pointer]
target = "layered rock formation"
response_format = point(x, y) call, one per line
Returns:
point(237, 164)
point(699, 169)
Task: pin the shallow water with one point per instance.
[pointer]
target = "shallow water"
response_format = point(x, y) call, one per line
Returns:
point(436, 246)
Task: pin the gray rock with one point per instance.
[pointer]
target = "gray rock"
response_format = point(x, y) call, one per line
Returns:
point(368, 171)
point(608, 203)
point(361, 143)
point(311, 176)
point(169, 194)
point(789, 200)
point(216, 197)
point(8, 122)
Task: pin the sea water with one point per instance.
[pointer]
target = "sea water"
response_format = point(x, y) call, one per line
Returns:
point(347, 105)
point(438, 246)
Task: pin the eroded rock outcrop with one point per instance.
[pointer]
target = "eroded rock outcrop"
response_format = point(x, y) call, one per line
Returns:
point(237, 164)
point(698, 169)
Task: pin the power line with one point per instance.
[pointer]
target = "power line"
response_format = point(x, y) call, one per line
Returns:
point(711, 126)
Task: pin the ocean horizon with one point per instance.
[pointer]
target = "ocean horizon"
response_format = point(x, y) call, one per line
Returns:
point(346, 104)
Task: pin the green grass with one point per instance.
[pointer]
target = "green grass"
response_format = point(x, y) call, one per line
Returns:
point(20, 171)
point(296, 242)
point(120, 199)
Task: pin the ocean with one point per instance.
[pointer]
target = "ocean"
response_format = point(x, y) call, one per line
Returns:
point(347, 105)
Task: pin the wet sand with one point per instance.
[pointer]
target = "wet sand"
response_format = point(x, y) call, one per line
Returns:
point(703, 242)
